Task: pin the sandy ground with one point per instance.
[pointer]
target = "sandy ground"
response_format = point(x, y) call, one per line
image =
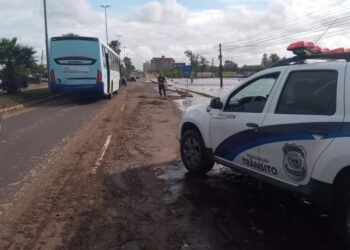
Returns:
point(140, 197)
point(77, 203)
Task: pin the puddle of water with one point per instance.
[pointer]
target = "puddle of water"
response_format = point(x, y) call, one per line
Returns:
point(174, 177)
point(232, 208)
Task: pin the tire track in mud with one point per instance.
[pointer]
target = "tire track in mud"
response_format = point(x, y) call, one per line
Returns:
point(140, 218)
point(40, 220)
point(118, 207)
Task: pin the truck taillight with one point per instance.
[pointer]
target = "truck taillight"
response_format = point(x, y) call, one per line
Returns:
point(52, 77)
point(99, 77)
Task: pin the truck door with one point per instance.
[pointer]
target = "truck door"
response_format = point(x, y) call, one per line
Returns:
point(306, 112)
point(233, 130)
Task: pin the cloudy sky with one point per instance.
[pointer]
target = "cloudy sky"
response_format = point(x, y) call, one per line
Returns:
point(246, 29)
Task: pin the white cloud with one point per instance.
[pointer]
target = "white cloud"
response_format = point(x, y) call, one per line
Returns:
point(168, 28)
point(155, 12)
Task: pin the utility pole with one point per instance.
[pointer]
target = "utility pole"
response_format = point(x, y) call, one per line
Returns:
point(124, 50)
point(220, 69)
point(191, 67)
point(46, 40)
point(118, 37)
point(42, 57)
point(41, 72)
point(105, 7)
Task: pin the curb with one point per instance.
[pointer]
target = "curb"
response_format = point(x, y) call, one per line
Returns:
point(198, 93)
point(26, 105)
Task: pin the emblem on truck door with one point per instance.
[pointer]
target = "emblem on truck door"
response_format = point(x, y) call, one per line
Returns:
point(294, 161)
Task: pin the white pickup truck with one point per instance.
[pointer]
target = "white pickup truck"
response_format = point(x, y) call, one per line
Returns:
point(288, 125)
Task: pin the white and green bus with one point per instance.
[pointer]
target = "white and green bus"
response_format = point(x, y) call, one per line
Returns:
point(83, 65)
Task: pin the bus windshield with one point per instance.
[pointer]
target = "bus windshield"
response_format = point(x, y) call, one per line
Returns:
point(74, 52)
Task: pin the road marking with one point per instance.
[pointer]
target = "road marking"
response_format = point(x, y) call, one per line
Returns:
point(123, 107)
point(102, 154)
point(16, 183)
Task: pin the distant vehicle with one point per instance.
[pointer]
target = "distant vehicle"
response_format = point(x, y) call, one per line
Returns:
point(83, 65)
point(123, 81)
point(287, 125)
point(132, 79)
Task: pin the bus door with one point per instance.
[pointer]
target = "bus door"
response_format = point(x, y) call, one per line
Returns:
point(108, 73)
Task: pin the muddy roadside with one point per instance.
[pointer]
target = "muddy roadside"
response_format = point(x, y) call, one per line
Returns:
point(75, 202)
point(140, 196)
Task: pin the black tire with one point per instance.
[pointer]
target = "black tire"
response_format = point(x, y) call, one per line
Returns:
point(342, 218)
point(194, 154)
point(109, 96)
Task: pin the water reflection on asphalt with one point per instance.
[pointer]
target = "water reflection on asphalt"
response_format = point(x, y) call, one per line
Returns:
point(232, 211)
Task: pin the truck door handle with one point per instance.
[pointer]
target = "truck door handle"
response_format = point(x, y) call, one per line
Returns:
point(252, 125)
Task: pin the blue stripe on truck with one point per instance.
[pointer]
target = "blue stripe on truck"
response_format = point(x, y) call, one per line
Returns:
point(238, 143)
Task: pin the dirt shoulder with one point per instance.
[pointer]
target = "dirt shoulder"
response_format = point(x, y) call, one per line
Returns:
point(68, 205)
point(140, 196)
point(29, 95)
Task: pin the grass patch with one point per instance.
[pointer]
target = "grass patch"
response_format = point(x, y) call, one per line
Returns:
point(27, 95)
point(199, 93)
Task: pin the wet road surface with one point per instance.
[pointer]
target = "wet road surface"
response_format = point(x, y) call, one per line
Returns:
point(141, 197)
point(229, 210)
point(28, 139)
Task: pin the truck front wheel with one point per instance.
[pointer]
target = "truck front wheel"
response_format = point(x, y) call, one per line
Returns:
point(194, 155)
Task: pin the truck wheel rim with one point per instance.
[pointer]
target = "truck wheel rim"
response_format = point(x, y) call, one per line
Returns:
point(192, 152)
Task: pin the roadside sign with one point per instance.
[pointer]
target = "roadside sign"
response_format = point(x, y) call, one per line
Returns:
point(187, 69)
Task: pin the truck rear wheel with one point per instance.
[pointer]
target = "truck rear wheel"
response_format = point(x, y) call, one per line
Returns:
point(342, 217)
point(194, 155)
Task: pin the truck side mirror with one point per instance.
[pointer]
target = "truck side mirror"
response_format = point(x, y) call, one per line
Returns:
point(216, 103)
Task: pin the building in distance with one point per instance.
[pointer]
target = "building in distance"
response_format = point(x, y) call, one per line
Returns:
point(147, 67)
point(162, 63)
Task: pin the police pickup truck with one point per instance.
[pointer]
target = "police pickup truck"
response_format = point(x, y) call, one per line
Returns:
point(288, 125)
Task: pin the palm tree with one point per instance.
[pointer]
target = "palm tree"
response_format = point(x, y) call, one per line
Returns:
point(115, 45)
point(17, 61)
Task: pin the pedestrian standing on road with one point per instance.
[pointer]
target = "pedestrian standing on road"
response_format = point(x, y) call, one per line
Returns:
point(161, 84)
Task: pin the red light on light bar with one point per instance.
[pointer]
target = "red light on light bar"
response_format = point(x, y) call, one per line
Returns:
point(300, 45)
point(325, 50)
point(346, 50)
point(317, 49)
point(338, 50)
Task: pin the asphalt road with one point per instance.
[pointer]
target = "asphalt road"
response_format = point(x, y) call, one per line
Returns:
point(28, 138)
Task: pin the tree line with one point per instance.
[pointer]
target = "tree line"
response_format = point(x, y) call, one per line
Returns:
point(202, 64)
point(17, 65)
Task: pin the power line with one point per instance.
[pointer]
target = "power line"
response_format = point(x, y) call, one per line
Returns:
point(321, 27)
point(275, 47)
point(315, 24)
point(288, 28)
point(309, 34)
point(308, 30)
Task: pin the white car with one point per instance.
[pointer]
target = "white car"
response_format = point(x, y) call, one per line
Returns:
point(288, 125)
